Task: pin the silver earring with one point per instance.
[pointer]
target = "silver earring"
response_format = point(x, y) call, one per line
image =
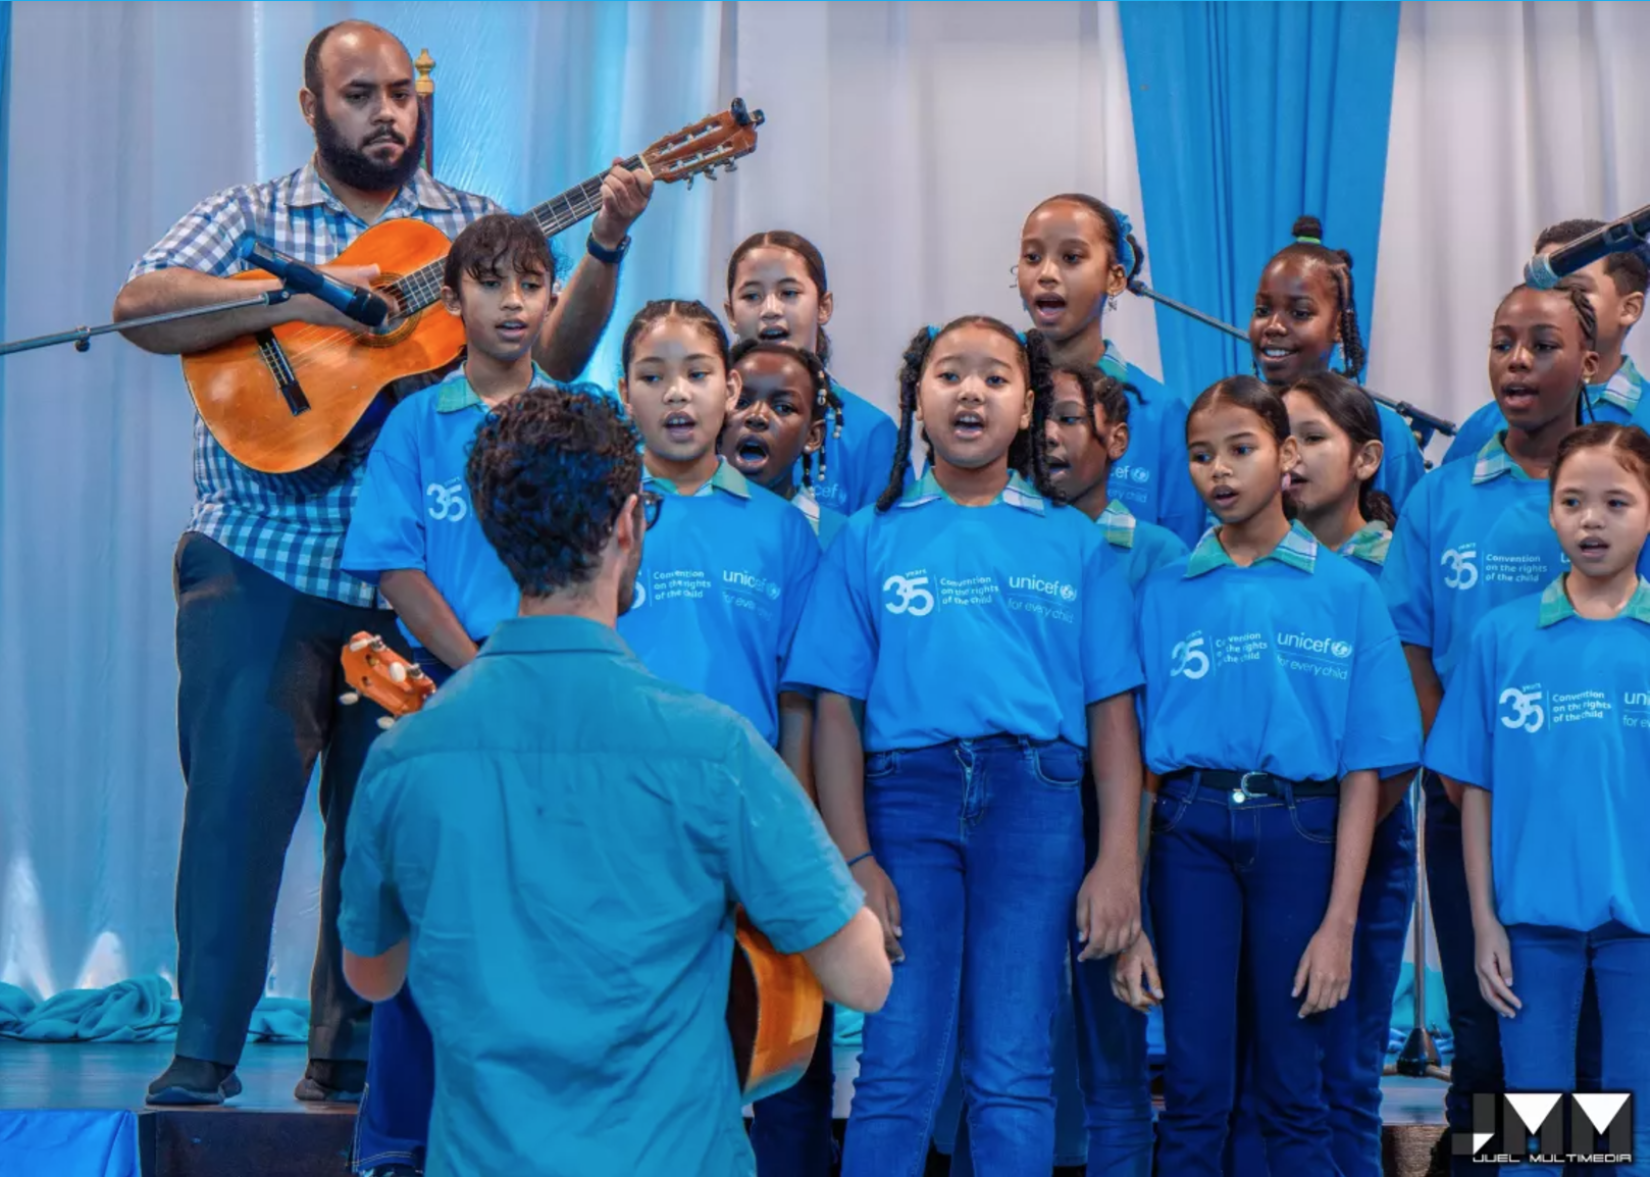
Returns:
point(1111, 302)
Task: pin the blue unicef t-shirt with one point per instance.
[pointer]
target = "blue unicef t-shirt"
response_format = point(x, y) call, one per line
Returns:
point(1142, 548)
point(955, 622)
point(1550, 713)
point(1619, 399)
point(413, 510)
point(827, 524)
point(725, 573)
point(1473, 536)
point(1402, 465)
point(1154, 479)
point(1290, 666)
point(857, 463)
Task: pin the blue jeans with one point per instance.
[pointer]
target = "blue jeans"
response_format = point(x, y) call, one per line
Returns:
point(1476, 1064)
point(791, 1131)
point(984, 841)
point(1361, 1026)
point(1550, 966)
point(1099, 1061)
point(1238, 889)
point(392, 1126)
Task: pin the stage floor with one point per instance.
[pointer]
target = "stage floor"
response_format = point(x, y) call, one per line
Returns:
point(265, 1132)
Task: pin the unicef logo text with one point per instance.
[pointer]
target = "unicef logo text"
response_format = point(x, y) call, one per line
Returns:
point(1334, 647)
point(911, 595)
point(1036, 584)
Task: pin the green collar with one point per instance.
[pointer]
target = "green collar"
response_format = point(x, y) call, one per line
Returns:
point(1113, 364)
point(1117, 524)
point(927, 489)
point(1624, 390)
point(1369, 543)
point(1494, 461)
point(1298, 549)
point(726, 478)
point(1556, 606)
point(456, 393)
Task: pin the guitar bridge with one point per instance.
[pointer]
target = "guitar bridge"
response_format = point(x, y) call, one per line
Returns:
point(286, 380)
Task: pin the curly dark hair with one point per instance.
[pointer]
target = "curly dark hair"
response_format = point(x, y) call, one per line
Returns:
point(1028, 454)
point(825, 399)
point(549, 472)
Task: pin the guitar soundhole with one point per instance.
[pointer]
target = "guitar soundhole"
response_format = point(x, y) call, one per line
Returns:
point(742, 1014)
point(396, 328)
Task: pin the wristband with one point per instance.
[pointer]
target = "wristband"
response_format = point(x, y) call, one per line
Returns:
point(601, 253)
point(858, 858)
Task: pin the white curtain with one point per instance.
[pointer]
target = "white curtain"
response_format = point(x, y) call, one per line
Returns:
point(909, 140)
point(1505, 119)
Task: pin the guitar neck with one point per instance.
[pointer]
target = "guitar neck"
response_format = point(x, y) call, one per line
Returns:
point(575, 204)
point(422, 287)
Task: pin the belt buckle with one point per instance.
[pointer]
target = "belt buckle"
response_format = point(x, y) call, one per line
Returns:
point(1242, 793)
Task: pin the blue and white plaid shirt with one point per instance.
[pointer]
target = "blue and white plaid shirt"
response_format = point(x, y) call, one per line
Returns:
point(291, 526)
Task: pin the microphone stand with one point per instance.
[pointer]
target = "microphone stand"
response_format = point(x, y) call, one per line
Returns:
point(1423, 423)
point(82, 337)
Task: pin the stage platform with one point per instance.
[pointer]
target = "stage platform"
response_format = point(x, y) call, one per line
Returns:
point(93, 1095)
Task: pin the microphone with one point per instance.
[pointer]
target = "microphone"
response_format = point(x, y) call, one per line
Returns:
point(1623, 235)
point(363, 306)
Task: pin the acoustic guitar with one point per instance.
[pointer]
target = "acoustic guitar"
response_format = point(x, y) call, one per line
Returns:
point(774, 1000)
point(283, 399)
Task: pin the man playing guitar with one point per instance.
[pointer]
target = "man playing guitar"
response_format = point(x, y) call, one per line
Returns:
point(263, 607)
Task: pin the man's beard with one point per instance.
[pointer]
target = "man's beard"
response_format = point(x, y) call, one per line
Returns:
point(354, 168)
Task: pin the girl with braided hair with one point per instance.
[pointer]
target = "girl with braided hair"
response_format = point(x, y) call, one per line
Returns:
point(1306, 309)
point(969, 641)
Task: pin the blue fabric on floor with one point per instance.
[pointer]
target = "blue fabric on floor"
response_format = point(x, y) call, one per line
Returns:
point(68, 1143)
point(141, 1009)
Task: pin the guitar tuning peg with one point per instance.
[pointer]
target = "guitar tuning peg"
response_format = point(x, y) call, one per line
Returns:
point(415, 672)
point(731, 166)
point(349, 698)
point(710, 173)
point(377, 643)
point(386, 722)
point(356, 645)
point(690, 183)
point(398, 672)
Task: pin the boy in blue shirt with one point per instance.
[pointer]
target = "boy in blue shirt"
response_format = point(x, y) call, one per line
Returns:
point(414, 533)
point(1615, 285)
point(571, 920)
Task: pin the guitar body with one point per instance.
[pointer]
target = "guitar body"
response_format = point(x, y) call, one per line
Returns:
point(774, 1009)
point(340, 372)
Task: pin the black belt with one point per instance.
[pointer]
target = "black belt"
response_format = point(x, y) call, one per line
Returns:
point(1254, 784)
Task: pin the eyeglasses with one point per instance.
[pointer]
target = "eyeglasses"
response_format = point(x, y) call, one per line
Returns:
point(652, 502)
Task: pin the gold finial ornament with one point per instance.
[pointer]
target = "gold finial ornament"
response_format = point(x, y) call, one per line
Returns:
point(425, 85)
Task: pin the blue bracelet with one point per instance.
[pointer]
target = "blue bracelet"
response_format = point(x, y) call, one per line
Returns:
point(858, 858)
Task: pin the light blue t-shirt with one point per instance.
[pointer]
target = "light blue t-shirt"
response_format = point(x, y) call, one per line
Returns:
point(956, 622)
point(827, 524)
point(725, 573)
point(563, 836)
point(1290, 666)
point(1154, 478)
point(1474, 535)
point(1550, 713)
point(1141, 547)
point(1402, 465)
point(1367, 547)
point(1619, 399)
point(857, 463)
point(414, 511)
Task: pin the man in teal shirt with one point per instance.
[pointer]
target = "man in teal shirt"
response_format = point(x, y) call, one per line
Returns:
point(552, 849)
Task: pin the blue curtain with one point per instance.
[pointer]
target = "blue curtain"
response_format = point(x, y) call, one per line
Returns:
point(1247, 116)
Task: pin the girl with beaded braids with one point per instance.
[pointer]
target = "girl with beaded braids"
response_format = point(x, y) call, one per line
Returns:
point(1305, 308)
point(970, 646)
point(778, 293)
point(780, 425)
point(1077, 254)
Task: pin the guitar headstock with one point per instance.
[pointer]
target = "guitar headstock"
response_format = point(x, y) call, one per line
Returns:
point(378, 672)
point(704, 146)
